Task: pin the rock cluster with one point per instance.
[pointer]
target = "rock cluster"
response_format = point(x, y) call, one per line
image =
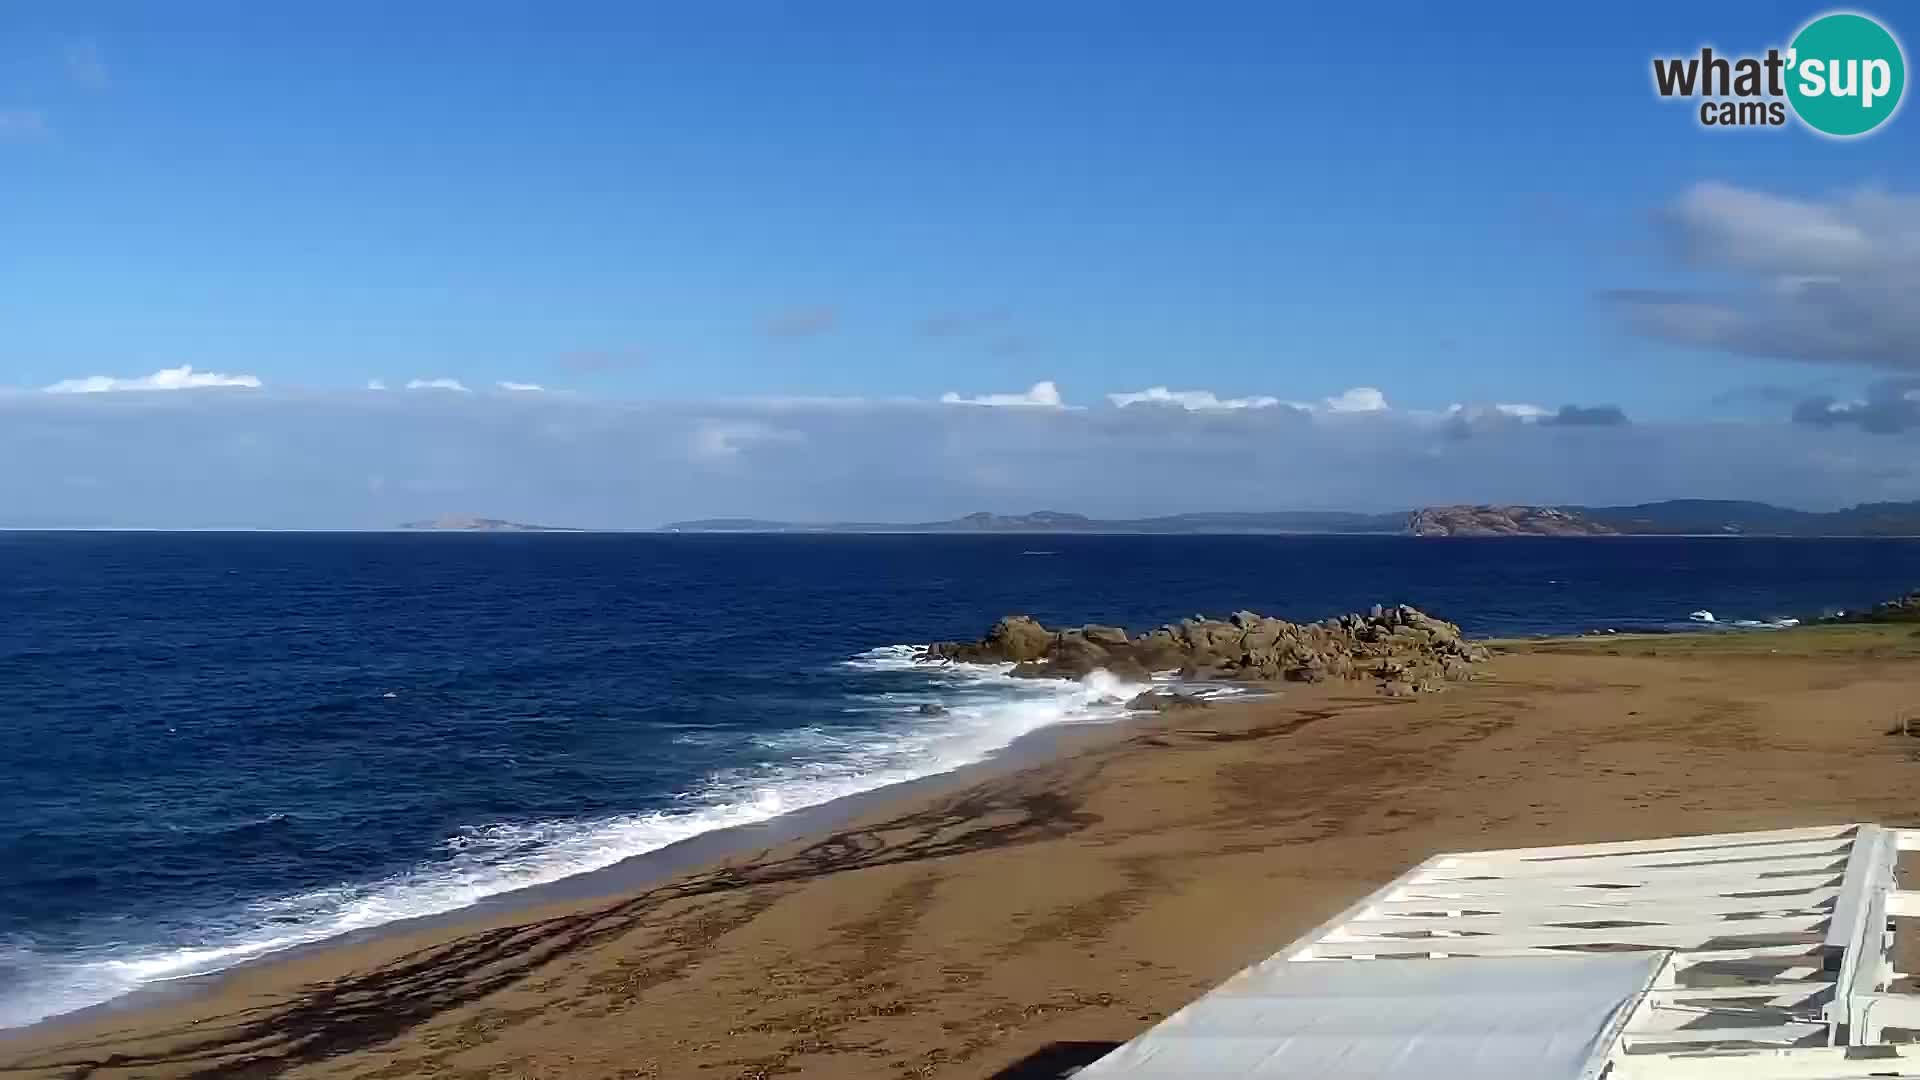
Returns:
point(1403, 648)
point(1900, 609)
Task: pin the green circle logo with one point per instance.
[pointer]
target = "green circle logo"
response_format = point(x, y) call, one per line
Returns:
point(1846, 74)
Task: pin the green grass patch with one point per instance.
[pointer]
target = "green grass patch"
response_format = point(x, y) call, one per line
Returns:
point(1857, 640)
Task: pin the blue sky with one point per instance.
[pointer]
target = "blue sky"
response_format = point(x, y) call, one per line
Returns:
point(697, 203)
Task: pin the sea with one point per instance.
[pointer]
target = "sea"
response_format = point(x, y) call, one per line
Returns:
point(217, 746)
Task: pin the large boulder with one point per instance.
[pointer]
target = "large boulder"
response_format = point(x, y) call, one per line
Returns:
point(1019, 637)
point(1157, 702)
point(1155, 654)
point(1071, 655)
point(1015, 638)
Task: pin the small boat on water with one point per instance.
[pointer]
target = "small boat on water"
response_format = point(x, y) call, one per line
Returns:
point(1702, 615)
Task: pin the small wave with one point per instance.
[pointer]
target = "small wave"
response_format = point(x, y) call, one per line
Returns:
point(985, 709)
point(1701, 621)
point(1707, 620)
point(898, 658)
point(1216, 690)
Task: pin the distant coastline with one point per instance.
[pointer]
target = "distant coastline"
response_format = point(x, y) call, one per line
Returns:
point(1669, 518)
point(1674, 517)
point(1053, 521)
point(469, 523)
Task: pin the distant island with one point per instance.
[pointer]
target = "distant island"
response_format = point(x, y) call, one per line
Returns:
point(468, 523)
point(1674, 517)
point(1504, 521)
point(1054, 521)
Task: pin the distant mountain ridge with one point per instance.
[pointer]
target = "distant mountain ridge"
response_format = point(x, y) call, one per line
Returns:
point(469, 523)
point(1054, 521)
point(1706, 516)
point(1674, 517)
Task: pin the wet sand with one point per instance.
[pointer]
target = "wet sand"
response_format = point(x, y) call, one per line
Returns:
point(1011, 923)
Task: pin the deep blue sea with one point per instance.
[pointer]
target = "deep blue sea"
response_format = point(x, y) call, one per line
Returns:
point(214, 746)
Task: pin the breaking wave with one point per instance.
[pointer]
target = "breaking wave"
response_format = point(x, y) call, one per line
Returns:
point(903, 720)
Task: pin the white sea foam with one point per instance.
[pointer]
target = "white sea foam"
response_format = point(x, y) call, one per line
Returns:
point(985, 710)
point(1706, 619)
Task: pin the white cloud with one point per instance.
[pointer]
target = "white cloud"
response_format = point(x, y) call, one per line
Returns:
point(1823, 280)
point(507, 384)
point(180, 378)
point(1191, 400)
point(1724, 226)
point(1513, 412)
point(724, 440)
point(1891, 406)
point(437, 384)
point(22, 123)
point(376, 384)
point(1044, 395)
point(1463, 420)
point(1360, 399)
point(1523, 411)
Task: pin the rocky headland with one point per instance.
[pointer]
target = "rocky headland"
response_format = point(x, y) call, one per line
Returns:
point(1671, 517)
point(1402, 649)
point(1503, 521)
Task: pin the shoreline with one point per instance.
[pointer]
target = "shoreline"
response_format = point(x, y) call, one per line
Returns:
point(628, 874)
point(1060, 899)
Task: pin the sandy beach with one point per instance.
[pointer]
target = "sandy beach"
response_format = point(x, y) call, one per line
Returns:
point(1014, 922)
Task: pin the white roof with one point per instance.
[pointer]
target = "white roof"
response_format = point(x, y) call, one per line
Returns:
point(1491, 1019)
point(1763, 954)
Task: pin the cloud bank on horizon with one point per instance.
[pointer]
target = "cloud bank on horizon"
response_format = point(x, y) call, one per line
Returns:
point(180, 378)
point(1826, 282)
point(240, 456)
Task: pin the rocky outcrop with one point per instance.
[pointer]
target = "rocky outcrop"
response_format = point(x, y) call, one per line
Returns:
point(1502, 521)
point(1900, 609)
point(1175, 702)
point(1402, 648)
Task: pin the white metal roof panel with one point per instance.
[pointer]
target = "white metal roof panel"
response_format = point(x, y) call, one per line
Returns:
point(1761, 954)
point(1525, 1018)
